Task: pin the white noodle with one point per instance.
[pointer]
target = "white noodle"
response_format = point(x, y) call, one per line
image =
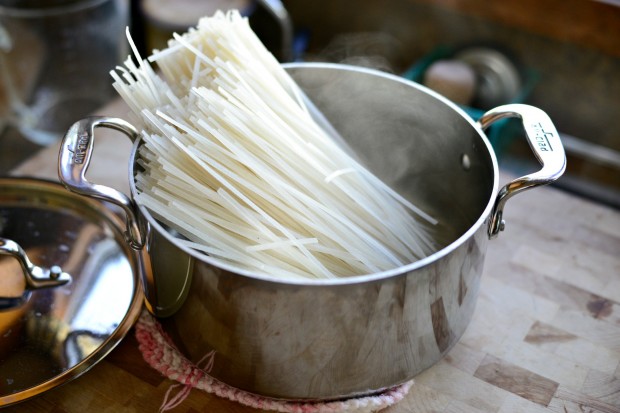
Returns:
point(235, 163)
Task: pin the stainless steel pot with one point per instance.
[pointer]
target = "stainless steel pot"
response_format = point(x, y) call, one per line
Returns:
point(339, 338)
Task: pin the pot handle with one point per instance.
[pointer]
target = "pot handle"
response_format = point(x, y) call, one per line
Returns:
point(544, 140)
point(36, 277)
point(73, 162)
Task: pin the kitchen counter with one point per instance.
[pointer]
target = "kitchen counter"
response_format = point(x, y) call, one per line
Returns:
point(545, 336)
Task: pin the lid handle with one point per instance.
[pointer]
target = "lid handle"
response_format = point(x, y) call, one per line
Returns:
point(36, 277)
point(74, 160)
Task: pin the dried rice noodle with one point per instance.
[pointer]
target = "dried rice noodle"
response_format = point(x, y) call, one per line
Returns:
point(235, 163)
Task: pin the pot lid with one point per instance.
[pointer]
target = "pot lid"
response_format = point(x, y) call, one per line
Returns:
point(72, 299)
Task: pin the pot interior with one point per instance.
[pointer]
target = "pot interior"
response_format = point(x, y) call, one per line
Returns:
point(413, 139)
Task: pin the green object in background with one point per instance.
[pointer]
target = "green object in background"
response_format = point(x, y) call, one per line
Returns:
point(501, 133)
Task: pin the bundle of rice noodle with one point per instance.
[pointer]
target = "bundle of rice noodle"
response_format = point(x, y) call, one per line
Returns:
point(234, 162)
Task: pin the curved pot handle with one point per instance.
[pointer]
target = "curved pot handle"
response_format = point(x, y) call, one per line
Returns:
point(36, 277)
point(544, 141)
point(74, 159)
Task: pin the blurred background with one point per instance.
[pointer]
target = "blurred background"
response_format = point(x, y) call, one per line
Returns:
point(562, 56)
point(566, 51)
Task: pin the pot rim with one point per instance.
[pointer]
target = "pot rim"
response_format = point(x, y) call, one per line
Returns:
point(355, 279)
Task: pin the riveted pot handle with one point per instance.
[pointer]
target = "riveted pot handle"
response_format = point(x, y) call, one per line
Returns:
point(74, 159)
point(36, 277)
point(544, 140)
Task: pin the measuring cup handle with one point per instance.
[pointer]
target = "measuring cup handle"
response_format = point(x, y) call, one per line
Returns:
point(544, 141)
point(278, 11)
point(74, 160)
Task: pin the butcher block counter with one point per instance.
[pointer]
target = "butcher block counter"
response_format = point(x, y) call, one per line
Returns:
point(545, 336)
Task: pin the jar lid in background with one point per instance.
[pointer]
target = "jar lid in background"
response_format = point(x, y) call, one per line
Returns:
point(498, 81)
point(161, 18)
point(182, 14)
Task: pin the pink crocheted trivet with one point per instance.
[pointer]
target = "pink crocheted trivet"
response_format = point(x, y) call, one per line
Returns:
point(161, 354)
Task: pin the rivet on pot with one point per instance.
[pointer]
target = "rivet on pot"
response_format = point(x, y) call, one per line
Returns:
point(465, 162)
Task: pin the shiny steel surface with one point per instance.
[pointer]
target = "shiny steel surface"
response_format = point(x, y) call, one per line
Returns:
point(75, 164)
point(57, 333)
point(330, 339)
point(544, 141)
point(35, 277)
point(163, 298)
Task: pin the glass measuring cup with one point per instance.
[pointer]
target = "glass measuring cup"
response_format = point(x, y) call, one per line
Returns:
point(55, 58)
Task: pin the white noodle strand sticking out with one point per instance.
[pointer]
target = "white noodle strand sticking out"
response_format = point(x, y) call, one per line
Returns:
point(234, 162)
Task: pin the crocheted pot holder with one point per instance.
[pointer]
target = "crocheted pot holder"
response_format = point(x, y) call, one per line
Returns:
point(161, 354)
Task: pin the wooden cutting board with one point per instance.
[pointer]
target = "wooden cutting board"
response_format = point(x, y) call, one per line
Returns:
point(545, 336)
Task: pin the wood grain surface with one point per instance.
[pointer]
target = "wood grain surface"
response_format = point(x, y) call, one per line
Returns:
point(593, 24)
point(545, 336)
